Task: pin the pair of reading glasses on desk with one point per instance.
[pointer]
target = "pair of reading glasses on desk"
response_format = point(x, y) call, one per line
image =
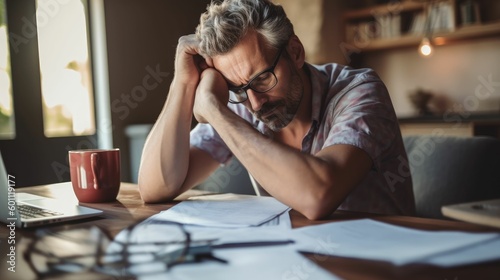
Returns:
point(91, 249)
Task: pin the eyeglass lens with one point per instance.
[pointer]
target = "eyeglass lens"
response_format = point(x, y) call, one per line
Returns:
point(263, 82)
point(90, 249)
point(70, 251)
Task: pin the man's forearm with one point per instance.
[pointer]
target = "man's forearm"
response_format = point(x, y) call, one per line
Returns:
point(165, 158)
point(299, 180)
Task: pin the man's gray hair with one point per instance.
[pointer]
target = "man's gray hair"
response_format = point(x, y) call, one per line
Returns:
point(225, 23)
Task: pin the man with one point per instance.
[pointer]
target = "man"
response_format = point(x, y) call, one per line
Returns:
point(317, 138)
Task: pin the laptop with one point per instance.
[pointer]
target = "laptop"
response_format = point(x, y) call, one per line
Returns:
point(27, 210)
point(486, 212)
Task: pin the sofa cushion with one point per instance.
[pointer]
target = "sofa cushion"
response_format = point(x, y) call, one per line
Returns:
point(448, 170)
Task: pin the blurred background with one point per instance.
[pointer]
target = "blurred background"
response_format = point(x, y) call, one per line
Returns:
point(80, 74)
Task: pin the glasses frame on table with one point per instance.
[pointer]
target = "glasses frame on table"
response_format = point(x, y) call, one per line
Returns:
point(123, 264)
point(263, 82)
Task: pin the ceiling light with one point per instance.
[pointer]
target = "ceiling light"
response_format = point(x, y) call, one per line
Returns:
point(425, 48)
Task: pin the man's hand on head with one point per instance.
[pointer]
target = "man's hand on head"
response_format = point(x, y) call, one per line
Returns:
point(212, 93)
point(189, 63)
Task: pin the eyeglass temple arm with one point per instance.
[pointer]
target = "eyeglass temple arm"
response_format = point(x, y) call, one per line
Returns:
point(200, 253)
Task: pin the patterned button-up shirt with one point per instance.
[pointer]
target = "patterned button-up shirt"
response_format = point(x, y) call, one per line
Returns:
point(349, 106)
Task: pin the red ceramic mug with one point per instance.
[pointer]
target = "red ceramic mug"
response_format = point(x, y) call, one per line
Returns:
point(95, 174)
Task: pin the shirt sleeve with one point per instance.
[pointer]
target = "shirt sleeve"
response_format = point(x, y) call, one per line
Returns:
point(204, 137)
point(363, 116)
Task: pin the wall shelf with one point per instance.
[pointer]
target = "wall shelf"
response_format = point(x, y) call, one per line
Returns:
point(439, 38)
point(383, 9)
point(391, 26)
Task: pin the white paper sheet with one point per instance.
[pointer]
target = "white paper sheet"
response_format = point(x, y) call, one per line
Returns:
point(225, 210)
point(369, 239)
point(250, 264)
point(482, 252)
point(276, 231)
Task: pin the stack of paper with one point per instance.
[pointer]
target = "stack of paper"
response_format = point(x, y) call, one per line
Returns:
point(225, 210)
point(369, 239)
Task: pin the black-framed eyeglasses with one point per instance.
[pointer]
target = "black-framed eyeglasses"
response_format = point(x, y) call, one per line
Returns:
point(261, 83)
point(91, 249)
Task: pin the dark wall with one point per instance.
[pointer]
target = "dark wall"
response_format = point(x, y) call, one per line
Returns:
point(141, 39)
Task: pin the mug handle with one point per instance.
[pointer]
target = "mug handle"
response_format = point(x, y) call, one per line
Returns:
point(94, 162)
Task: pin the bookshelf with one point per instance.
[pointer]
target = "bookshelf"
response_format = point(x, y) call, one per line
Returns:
point(405, 23)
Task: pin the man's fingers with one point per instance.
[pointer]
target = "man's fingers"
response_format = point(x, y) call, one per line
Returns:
point(209, 62)
point(203, 64)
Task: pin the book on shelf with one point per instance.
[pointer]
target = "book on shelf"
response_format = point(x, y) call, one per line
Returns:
point(389, 25)
point(437, 17)
point(382, 27)
point(469, 13)
point(418, 23)
point(445, 16)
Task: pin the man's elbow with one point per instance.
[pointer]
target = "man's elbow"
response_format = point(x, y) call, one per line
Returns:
point(149, 197)
point(317, 212)
point(152, 192)
point(321, 206)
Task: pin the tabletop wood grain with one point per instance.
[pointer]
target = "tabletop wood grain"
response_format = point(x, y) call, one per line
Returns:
point(129, 209)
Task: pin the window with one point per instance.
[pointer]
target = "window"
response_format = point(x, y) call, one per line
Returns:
point(48, 97)
point(66, 79)
point(7, 129)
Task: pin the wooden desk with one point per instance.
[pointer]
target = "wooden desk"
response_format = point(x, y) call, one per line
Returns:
point(129, 209)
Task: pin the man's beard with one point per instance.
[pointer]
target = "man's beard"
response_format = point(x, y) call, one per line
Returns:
point(284, 110)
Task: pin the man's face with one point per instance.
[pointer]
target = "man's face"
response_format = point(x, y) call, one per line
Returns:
point(278, 113)
point(276, 107)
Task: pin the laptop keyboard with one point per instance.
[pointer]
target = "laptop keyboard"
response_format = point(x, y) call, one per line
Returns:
point(29, 212)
